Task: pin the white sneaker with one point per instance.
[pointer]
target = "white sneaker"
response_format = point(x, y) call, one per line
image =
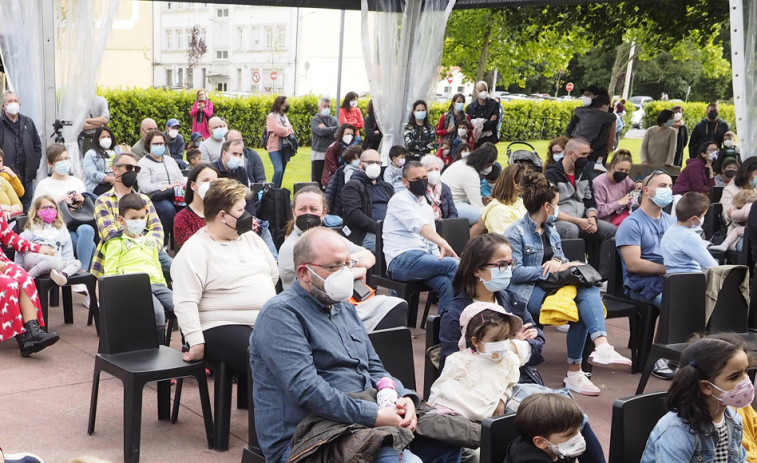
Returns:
point(563, 328)
point(58, 277)
point(600, 168)
point(607, 356)
point(581, 384)
point(80, 288)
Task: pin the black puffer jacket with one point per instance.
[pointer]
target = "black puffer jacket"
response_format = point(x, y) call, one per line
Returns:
point(22, 152)
point(357, 205)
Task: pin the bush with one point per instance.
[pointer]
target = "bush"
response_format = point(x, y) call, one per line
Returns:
point(692, 113)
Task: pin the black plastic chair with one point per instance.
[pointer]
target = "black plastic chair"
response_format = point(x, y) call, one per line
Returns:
point(731, 312)
point(129, 351)
point(574, 249)
point(713, 220)
point(456, 231)
point(430, 372)
point(716, 193)
point(681, 315)
point(394, 347)
point(633, 419)
point(45, 284)
point(407, 291)
point(496, 435)
point(252, 452)
point(297, 186)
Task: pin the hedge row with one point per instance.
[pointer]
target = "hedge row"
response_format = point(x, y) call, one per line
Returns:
point(692, 113)
point(523, 119)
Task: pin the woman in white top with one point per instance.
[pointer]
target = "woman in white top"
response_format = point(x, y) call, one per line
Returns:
point(463, 179)
point(222, 276)
point(159, 176)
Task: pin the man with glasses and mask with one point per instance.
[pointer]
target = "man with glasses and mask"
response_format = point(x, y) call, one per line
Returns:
point(364, 201)
point(577, 215)
point(125, 170)
point(414, 251)
point(309, 350)
point(638, 241)
point(20, 143)
point(253, 164)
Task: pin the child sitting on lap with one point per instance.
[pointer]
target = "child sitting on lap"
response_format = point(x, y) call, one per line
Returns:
point(742, 205)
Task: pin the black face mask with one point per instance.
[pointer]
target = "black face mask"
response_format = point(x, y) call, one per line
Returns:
point(619, 176)
point(712, 115)
point(129, 179)
point(729, 173)
point(286, 108)
point(244, 223)
point(418, 187)
point(307, 221)
point(581, 163)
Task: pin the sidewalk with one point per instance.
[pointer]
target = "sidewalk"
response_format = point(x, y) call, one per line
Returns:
point(44, 399)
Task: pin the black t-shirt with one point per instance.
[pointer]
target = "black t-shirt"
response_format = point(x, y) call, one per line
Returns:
point(549, 253)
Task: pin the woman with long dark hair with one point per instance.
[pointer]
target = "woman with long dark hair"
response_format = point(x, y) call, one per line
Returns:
point(464, 180)
point(349, 113)
point(373, 133)
point(279, 129)
point(98, 162)
point(448, 124)
point(420, 138)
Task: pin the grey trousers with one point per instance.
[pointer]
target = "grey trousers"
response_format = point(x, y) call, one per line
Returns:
point(41, 264)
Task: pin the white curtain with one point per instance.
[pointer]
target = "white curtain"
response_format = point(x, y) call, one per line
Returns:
point(748, 130)
point(402, 48)
point(83, 27)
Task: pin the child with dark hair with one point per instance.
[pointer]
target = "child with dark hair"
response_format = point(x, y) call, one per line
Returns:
point(393, 172)
point(194, 157)
point(550, 430)
point(683, 250)
point(134, 251)
point(477, 381)
point(701, 424)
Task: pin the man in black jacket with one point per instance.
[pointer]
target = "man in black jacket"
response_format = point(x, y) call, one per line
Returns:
point(253, 164)
point(487, 108)
point(20, 143)
point(364, 201)
point(711, 128)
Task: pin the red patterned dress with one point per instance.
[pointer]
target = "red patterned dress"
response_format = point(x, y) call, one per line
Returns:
point(12, 281)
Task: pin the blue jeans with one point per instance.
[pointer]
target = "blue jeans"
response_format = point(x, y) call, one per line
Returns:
point(418, 266)
point(633, 295)
point(265, 233)
point(369, 242)
point(591, 319)
point(468, 211)
point(422, 449)
point(83, 240)
point(279, 160)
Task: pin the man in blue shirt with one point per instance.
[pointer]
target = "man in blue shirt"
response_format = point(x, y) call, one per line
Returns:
point(413, 250)
point(309, 350)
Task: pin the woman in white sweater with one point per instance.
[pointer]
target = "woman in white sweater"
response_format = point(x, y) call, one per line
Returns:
point(222, 276)
point(464, 181)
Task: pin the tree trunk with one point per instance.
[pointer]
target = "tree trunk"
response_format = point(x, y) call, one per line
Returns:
point(484, 53)
point(621, 60)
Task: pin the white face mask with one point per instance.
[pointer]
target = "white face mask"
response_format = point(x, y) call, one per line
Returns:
point(433, 177)
point(464, 154)
point(496, 350)
point(483, 94)
point(401, 162)
point(105, 143)
point(373, 171)
point(585, 100)
point(12, 108)
point(728, 143)
point(677, 116)
point(202, 189)
point(486, 171)
point(572, 447)
point(347, 139)
point(353, 103)
point(136, 226)
point(338, 285)
point(462, 132)
point(173, 133)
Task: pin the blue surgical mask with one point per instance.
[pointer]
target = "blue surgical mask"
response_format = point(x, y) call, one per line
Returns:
point(500, 279)
point(558, 156)
point(234, 162)
point(669, 123)
point(459, 107)
point(326, 112)
point(663, 196)
point(158, 150)
point(219, 133)
point(63, 167)
point(356, 163)
point(420, 115)
point(753, 182)
point(553, 218)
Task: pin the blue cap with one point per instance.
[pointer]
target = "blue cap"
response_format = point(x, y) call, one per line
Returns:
point(173, 123)
point(196, 135)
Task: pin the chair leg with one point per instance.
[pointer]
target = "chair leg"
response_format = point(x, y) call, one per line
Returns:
point(44, 303)
point(164, 400)
point(646, 336)
point(222, 408)
point(132, 419)
point(588, 349)
point(68, 305)
point(207, 416)
point(243, 399)
point(55, 296)
point(653, 356)
point(426, 310)
point(177, 400)
point(169, 329)
point(93, 400)
point(412, 304)
point(94, 308)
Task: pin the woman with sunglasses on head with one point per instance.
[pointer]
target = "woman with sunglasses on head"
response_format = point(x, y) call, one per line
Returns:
point(537, 252)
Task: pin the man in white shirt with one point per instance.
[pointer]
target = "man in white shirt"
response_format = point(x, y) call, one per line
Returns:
point(413, 250)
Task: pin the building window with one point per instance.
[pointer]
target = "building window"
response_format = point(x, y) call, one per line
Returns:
point(181, 77)
point(180, 42)
point(169, 77)
point(222, 86)
point(190, 78)
point(222, 13)
point(240, 37)
point(169, 40)
point(204, 82)
point(222, 54)
point(256, 41)
point(275, 37)
point(239, 80)
point(281, 36)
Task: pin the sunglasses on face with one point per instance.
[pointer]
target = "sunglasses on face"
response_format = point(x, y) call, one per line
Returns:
point(129, 167)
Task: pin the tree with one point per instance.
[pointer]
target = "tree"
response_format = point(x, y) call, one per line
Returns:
point(197, 48)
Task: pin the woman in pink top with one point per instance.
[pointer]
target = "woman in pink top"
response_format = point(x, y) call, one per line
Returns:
point(349, 113)
point(613, 190)
point(278, 128)
point(202, 110)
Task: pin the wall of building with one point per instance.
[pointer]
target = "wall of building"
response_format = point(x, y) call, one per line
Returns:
point(127, 61)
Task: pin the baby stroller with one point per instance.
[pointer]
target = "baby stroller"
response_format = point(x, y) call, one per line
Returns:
point(523, 156)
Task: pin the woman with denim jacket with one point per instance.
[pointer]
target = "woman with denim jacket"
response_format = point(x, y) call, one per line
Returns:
point(701, 425)
point(537, 252)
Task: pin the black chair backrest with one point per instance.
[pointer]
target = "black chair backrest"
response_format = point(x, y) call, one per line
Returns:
point(682, 310)
point(713, 220)
point(430, 372)
point(394, 347)
point(127, 319)
point(456, 231)
point(745, 256)
point(615, 278)
point(731, 311)
point(300, 185)
point(496, 435)
point(633, 419)
point(716, 193)
point(379, 269)
point(574, 249)
point(19, 222)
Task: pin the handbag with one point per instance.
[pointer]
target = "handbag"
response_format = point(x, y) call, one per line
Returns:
point(78, 214)
point(289, 143)
point(162, 195)
point(580, 275)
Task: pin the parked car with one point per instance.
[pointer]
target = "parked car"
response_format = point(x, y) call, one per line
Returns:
point(640, 101)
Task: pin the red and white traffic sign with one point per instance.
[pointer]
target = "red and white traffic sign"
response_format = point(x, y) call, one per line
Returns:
point(274, 75)
point(449, 80)
point(256, 77)
point(569, 86)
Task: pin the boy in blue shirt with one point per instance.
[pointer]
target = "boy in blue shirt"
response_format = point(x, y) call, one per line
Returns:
point(683, 250)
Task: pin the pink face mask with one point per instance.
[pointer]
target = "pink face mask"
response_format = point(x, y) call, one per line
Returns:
point(740, 396)
point(48, 215)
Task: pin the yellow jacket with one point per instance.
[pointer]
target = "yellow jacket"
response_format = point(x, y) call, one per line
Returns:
point(15, 183)
point(560, 308)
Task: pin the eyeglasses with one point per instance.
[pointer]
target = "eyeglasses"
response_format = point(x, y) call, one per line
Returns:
point(504, 265)
point(654, 174)
point(129, 167)
point(350, 264)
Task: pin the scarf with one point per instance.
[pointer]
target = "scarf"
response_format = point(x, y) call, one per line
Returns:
point(434, 197)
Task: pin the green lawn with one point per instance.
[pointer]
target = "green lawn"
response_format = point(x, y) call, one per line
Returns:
point(298, 169)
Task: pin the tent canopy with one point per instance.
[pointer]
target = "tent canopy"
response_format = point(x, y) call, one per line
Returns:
point(355, 4)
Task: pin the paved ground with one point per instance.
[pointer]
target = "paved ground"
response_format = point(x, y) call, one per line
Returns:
point(44, 400)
